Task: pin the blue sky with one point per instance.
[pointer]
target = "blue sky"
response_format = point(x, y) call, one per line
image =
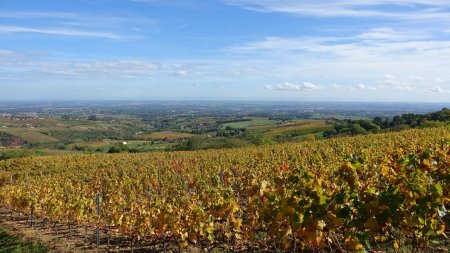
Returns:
point(343, 50)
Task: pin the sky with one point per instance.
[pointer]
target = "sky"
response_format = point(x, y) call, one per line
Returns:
point(308, 50)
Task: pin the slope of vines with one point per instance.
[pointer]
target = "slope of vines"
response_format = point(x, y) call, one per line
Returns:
point(351, 193)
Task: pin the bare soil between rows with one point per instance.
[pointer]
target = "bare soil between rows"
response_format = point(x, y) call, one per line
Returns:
point(68, 238)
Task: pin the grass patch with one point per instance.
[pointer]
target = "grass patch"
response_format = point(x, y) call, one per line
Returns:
point(166, 134)
point(250, 123)
point(13, 244)
point(93, 144)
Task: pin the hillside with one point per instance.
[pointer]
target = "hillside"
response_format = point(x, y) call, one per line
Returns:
point(8, 140)
point(374, 192)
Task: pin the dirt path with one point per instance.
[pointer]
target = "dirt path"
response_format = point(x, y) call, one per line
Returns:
point(61, 238)
point(56, 238)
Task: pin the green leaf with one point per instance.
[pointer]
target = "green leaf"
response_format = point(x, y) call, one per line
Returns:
point(438, 188)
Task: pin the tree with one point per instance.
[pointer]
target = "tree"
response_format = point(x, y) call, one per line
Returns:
point(119, 148)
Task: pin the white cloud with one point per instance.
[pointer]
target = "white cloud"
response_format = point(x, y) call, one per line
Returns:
point(389, 34)
point(399, 9)
point(357, 57)
point(79, 19)
point(389, 77)
point(359, 46)
point(283, 44)
point(7, 53)
point(438, 80)
point(292, 86)
point(439, 89)
point(95, 25)
point(362, 86)
point(392, 82)
point(33, 15)
point(82, 70)
point(58, 31)
point(417, 78)
point(181, 73)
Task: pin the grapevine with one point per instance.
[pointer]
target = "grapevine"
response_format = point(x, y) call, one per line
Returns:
point(356, 192)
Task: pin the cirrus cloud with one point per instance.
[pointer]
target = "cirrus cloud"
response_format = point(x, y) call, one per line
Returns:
point(59, 31)
point(393, 9)
point(21, 67)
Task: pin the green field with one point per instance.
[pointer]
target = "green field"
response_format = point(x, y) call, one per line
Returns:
point(250, 123)
point(165, 134)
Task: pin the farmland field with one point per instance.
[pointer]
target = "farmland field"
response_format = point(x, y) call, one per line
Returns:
point(300, 128)
point(29, 135)
point(375, 191)
point(251, 122)
point(166, 134)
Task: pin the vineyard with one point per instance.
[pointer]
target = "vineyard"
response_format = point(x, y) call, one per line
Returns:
point(367, 192)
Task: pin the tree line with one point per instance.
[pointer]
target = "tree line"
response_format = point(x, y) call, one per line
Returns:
point(396, 123)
